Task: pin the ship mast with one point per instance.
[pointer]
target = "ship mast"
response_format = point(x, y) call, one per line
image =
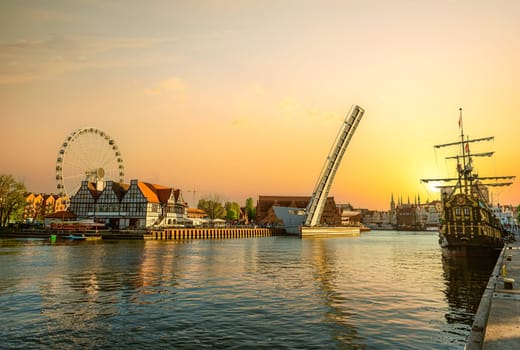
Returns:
point(461, 127)
point(465, 177)
point(466, 167)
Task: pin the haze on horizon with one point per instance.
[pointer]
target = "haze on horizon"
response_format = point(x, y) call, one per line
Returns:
point(245, 98)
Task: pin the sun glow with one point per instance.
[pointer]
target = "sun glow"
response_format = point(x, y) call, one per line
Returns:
point(203, 97)
point(433, 186)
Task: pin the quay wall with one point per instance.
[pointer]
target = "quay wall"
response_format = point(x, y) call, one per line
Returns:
point(476, 337)
point(44, 233)
point(165, 234)
point(496, 323)
point(208, 233)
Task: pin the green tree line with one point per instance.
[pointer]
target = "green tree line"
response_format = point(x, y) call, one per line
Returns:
point(12, 200)
point(216, 209)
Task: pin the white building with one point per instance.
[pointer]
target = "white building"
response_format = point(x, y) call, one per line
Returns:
point(507, 216)
point(428, 215)
point(137, 205)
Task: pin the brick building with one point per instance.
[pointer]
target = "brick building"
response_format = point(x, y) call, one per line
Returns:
point(265, 213)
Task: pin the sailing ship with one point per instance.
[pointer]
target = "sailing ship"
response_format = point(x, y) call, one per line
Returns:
point(468, 225)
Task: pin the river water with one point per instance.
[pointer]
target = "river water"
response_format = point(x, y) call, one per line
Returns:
point(383, 290)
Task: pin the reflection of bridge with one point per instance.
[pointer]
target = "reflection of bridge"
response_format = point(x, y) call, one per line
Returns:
point(321, 191)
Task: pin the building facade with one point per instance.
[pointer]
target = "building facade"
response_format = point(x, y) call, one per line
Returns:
point(137, 205)
point(265, 213)
point(40, 205)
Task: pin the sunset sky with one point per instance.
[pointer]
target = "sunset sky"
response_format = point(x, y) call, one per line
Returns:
point(244, 98)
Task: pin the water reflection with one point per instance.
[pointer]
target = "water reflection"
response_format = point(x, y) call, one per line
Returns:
point(465, 281)
point(329, 279)
point(84, 288)
point(382, 290)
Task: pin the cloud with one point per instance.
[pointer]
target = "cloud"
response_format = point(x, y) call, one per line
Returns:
point(18, 78)
point(28, 60)
point(171, 85)
point(239, 122)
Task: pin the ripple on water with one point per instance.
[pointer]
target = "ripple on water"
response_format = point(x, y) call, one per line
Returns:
point(382, 290)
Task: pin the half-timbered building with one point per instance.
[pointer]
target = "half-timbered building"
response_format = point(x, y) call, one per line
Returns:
point(137, 205)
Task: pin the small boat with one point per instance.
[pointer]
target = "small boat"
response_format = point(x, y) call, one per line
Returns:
point(75, 237)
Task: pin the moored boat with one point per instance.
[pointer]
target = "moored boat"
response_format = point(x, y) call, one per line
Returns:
point(469, 226)
point(75, 237)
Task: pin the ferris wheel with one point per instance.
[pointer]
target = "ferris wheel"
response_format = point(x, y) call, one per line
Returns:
point(87, 154)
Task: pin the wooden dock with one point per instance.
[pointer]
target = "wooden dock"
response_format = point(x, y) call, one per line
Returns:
point(497, 322)
point(209, 233)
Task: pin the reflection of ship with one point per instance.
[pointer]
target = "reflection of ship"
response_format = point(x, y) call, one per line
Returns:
point(469, 226)
point(466, 280)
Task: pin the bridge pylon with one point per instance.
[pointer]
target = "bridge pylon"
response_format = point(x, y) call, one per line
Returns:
point(316, 205)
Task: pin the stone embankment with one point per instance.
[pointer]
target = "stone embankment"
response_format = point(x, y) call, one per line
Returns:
point(497, 322)
point(205, 233)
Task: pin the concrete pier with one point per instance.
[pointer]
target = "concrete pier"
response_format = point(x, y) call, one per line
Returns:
point(328, 231)
point(497, 322)
point(211, 233)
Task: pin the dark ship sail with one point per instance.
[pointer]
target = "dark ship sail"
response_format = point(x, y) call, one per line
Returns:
point(468, 225)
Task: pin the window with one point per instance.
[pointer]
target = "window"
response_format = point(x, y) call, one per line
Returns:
point(466, 211)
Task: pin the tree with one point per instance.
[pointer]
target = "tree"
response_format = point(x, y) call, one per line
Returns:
point(12, 199)
point(213, 206)
point(250, 209)
point(232, 211)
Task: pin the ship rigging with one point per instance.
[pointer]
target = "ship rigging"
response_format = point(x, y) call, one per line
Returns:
point(468, 225)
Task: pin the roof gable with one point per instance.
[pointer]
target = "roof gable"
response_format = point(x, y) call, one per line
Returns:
point(164, 194)
point(148, 191)
point(93, 191)
point(158, 193)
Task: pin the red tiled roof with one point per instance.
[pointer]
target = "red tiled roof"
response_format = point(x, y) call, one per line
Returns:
point(148, 191)
point(196, 211)
point(157, 193)
point(163, 194)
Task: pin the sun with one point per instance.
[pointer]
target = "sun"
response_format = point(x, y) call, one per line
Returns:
point(433, 186)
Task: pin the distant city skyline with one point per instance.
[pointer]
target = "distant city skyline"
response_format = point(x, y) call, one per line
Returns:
point(243, 99)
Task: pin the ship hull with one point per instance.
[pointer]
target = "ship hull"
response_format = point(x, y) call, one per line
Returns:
point(469, 228)
point(480, 247)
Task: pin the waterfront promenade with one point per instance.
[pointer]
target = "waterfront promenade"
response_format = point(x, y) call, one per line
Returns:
point(205, 233)
point(158, 234)
point(497, 322)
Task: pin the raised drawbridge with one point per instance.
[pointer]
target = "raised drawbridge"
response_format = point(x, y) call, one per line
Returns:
point(316, 205)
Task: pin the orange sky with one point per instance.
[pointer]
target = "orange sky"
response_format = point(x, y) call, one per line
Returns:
point(245, 98)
